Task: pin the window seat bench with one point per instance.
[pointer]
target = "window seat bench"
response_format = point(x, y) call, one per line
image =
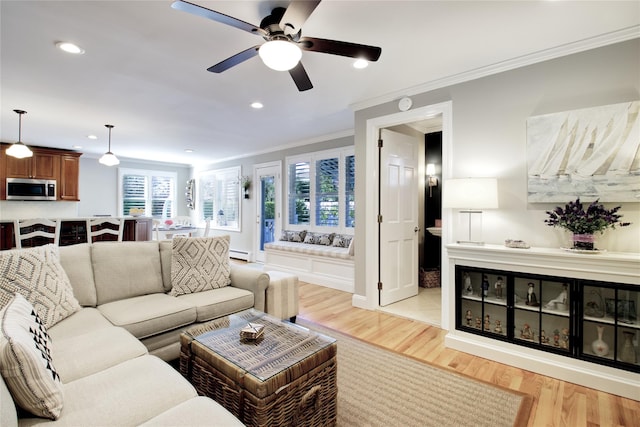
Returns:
point(318, 264)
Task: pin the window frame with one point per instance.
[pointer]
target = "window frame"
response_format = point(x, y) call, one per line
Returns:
point(149, 174)
point(312, 158)
point(230, 176)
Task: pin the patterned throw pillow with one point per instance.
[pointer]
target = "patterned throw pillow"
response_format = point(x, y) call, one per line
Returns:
point(325, 239)
point(25, 360)
point(342, 241)
point(199, 264)
point(297, 236)
point(311, 238)
point(284, 236)
point(37, 275)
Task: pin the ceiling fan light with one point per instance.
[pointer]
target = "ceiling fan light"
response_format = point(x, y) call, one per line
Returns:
point(19, 150)
point(109, 159)
point(280, 55)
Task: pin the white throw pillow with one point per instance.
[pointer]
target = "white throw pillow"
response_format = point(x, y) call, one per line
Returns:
point(37, 275)
point(25, 360)
point(199, 264)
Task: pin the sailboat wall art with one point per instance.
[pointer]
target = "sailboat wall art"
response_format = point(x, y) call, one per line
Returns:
point(593, 153)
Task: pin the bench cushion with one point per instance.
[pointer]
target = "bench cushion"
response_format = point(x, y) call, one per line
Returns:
point(310, 249)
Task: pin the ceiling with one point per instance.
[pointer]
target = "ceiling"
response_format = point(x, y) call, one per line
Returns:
point(145, 68)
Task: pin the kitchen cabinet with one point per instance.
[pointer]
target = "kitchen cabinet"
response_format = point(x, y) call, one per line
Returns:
point(68, 185)
point(44, 164)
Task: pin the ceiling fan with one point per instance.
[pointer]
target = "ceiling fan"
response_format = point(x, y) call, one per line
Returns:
point(282, 30)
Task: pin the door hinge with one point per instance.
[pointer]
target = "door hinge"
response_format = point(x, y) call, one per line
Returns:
point(379, 286)
point(380, 143)
point(379, 219)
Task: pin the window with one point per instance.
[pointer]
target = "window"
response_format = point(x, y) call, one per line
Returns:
point(153, 191)
point(321, 190)
point(219, 198)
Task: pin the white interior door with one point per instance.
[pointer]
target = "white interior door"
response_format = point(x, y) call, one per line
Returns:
point(399, 229)
point(267, 194)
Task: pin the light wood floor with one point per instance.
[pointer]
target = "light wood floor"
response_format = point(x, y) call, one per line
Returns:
point(556, 403)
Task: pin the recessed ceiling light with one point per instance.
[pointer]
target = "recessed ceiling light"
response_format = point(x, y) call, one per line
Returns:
point(76, 147)
point(92, 137)
point(256, 105)
point(70, 48)
point(361, 63)
point(188, 150)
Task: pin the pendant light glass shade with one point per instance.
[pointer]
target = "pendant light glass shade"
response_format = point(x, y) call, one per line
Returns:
point(108, 158)
point(18, 149)
point(280, 55)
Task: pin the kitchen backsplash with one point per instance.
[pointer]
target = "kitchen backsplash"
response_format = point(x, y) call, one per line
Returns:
point(14, 209)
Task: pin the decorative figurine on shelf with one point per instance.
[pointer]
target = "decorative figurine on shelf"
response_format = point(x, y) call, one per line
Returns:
point(532, 300)
point(468, 288)
point(559, 302)
point(498, 328)
point(478, 322)
point(564, 338)
point(526, 332)
point(543, 337)
point(469, 317)
point(556, 337)
point(485, 286)
point(498, 287)
point(487, 323)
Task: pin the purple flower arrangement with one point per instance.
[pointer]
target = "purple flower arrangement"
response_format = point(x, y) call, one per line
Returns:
point(580, 221)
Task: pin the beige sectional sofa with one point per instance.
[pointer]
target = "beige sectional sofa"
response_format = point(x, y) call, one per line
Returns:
point(108, 352)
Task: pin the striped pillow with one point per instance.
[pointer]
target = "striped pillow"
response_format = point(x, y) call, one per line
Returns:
point(25, 360)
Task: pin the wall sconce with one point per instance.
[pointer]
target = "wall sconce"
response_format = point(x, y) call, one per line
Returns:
point(432, 181)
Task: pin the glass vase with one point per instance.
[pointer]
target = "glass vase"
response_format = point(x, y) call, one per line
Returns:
point(584, 242)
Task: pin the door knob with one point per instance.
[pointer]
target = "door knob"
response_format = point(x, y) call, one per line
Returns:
point(416, 229)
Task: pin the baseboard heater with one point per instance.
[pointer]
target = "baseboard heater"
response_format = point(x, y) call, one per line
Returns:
point(236, 254)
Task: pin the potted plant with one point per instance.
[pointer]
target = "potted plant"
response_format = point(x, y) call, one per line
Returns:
point(584, 223)
point(246, 185)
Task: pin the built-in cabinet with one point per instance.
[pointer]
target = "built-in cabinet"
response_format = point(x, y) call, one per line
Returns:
point(60, 165)
point(567, 315)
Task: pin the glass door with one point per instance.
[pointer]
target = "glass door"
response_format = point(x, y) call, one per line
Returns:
point(267, 193)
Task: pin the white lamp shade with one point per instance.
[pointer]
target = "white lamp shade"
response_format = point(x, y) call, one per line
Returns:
point(280, 55)
point(109, 159)
point(19, 150)
point(470, 193)
point(431, 169)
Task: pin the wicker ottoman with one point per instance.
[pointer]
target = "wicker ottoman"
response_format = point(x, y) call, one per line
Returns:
point(286, 378)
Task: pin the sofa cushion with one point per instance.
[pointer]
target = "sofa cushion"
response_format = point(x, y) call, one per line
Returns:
point(197, 412)
point(166, 249)
point(88, 319)
point(218, 302)
point(126, 269)
point(127, 394)
point(82, 355)
point(199, 264)
point(76, 261)
point(25, 360)
point(148, 315)
point(8, 412)
point(37, 275)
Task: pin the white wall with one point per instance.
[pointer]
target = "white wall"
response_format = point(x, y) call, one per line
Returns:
point(489, 138)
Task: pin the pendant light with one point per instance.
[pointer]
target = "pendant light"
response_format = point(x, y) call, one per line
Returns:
point(108, 158)
point(18, 149)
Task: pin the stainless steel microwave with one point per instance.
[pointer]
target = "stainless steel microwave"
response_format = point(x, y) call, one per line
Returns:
point(31, 189)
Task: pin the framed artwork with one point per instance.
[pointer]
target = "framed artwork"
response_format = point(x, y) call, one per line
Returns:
point(593, 153)
point(626, 309)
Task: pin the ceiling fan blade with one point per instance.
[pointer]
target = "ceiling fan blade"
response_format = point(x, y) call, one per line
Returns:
point(334, 47)
point(234, 60)
point(300, 77)
point(217, 16)
point(296, 15)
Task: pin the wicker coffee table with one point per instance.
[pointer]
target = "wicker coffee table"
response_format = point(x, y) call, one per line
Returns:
point(285, 378)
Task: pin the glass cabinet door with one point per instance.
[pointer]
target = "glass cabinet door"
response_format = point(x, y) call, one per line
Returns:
point(542, 312)
point(610, 326)
point(483, 301)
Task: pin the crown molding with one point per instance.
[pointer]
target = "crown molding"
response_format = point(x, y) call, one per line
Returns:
point(606, 39)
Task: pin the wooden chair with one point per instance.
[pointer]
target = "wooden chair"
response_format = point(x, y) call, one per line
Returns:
point(105, 229)
point(37, 231)
point(156, 232)
point(207, 228)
